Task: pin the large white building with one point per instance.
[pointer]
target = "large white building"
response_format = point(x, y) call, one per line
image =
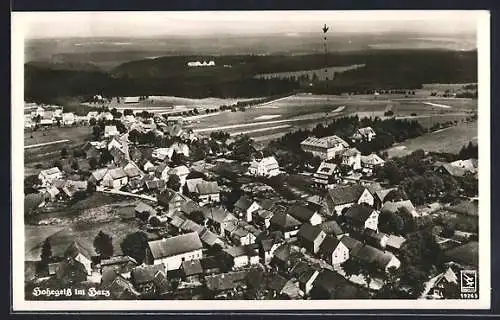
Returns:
point(210, 63)
point(175, 250)
point(325, 148)
point(267, 167)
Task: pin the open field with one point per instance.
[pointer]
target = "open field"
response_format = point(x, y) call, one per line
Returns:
point(56, 134)
point(319, 73)
point(444, 140)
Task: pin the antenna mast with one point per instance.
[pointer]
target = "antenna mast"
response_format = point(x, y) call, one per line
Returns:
point(325, 46)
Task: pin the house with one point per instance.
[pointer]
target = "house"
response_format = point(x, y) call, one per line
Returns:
point(133, 171)
point(181, 171)
point(305, 275)
point(326, 175)
point(325, 148)
point(150, 279)
point(466, 255)
point(71, 187)
point(70, 272)
point(370, 162)
point(469, 165)
point(331, 285)
point(266, 167)
point(212, 265)
point(52, 193)
point(285, 223)
point(116, 143)
point(238, 233)
point(340, 198)
point(243, 255)
point(68, 119)
point(334, 251)
point(161, 171)
point(395, 206)
point(281, 258)
point(192, 270)
point(122, 289)
point(47, 118)
point(115, 178)
point(276, 285)
point(360, 217)
point(207, 192)
point(162, 153)
point(92, 115)
point(120, 157)
point(366, 134)
point(394, 243)
point(351, 157)
point(332, 228)
point(106, 116)
point(443, 286)
point(110, 131)
point(376, 239)
point(267, 248)
point(352, 244)
point(97, 176)
point(226, 281)
point(172, 201)
point(380, 259)
point(245, 208)
point(128, 100)
point(123, 265)
point(155, 185)
point(192, 183)
point(381, 196)
point(50, 175)
point(217, 219)
point(40, 111)
point(173, 251)
point(149, 167)
point(263, 218)
point(311, 237)
point(179, 148)
point(304, 214)
point(454, 171)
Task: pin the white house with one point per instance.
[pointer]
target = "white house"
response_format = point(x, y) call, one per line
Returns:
point(68, 118)
point(370, 162)
point(364, 134)
point(162, 153)
point(326, 175)
point(207, 192)
point(334, 251)
point(266, 167)
point(325, 148)
point(305, 215)
point(148, 167)
point(92, 115)
point(50, 175)
point(128, 100)
point(106, 116)
point(175, 250)
point(352, 158)
point(243, 255)
point(115, 178)
point(110, 131)
point(361, 217)
point(181, 171)
point(311, 237)
point(40, 111)
point(340, 198)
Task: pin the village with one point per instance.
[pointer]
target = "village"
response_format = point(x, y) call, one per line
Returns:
point(221, 219)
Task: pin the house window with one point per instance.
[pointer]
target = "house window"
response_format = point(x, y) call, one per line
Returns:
point(183, 259)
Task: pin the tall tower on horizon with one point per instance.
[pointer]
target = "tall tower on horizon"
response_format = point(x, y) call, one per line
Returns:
point(325, 46)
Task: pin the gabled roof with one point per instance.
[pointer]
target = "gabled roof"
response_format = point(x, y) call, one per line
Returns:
point(99, 173)
point(394, 207)
point(277, 283)
point(117, 260)
point(116, 173)
point(110, 130)
point(192, 267)
point(51, 171)
point(352, 244)
point(248, 250)
point(175, 245)
point(395, 241)
point(365, 131)
point(359, 213)
point(243, 203)
point(146, 273)
point(466, 254)
point(371, 254)
point(218, 214)
point(225, 281)
point(329, 245)
point(346, 194)
point(381, 194)
point(351, 152)
point(372, 159)
point(143, 207)
point(309, 232)
point(284, 221)
point(282, 253)
point(179, 170)
point(453, 170)
point(192, 183)
point(326, 168)
point(207, 187)
point(302, 271)
point(132, 170)
point(156, 184)
point(300, 212)
point(325, 142)
point(331, 227)
point(470, 165)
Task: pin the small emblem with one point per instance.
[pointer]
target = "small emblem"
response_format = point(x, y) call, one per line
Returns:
point(468, 281)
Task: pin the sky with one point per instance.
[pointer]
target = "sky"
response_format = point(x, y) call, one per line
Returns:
point(144, 24)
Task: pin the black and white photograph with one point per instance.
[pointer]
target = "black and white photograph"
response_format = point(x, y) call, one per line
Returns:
point(254, 158)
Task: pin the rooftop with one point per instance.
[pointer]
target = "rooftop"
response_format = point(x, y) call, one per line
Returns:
point(175, 245)
point(325, 142)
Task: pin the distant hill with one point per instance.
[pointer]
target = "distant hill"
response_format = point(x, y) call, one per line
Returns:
point(171, 76)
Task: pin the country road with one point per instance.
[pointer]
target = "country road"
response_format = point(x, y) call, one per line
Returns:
point(123, 193)
point(45, 144)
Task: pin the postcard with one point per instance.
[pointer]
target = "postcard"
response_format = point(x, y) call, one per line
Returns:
point(244, 160)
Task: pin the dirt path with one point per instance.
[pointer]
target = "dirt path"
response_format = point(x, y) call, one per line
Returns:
point(45, 144)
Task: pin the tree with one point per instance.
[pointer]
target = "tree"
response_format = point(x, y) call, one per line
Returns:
point(103, 245)
point(105, 157)
point(243, 148)
point(128, 112)
point(390, 223)
point(185, 190)
point(134, 245)
point(92, 121)
point(64, 152)
point(93, 163)
point(174, 182)
point(178, 158)
point(75, 165)
point(351, 267)
point(197, 216)
point(46, 254)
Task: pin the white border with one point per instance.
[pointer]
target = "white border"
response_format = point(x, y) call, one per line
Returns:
point(19, 304)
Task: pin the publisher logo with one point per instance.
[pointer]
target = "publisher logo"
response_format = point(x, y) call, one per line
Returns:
point(468, 281)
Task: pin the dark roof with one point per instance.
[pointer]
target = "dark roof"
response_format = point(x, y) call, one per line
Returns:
point(309, 232)
point(359, 212)
point(465, 207)
point(352, 244)
point(175, 245)
point(207, 187)
point(300, 213)
point(329, 280)
point(331, 227)
point(117, 260)
point(226, 281)
point(192, 267)
point(108, 276)
point(266, 204)
point(121, 289)
point(282, 253)
point(277, 283)
point(267, 244)
point(146, 273)
point(346, 194)
point(212, 263)
point(453, 170)
point(329, 245)
point(243, 203)
point(248, 250)
point(302, 271)
point(466, 254)
point(284, 221)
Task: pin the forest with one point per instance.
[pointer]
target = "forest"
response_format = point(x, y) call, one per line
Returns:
point(384, 69)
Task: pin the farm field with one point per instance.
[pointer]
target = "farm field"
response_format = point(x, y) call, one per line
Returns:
point(444, 140)
point(320, 73)
point(55, 134)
